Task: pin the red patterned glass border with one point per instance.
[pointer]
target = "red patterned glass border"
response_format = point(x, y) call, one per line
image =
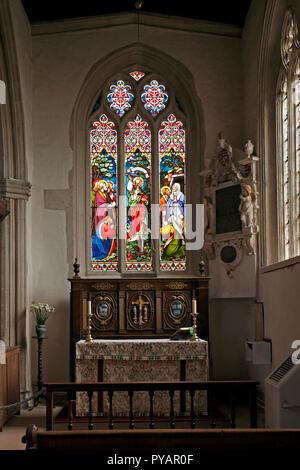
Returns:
point(137, 75)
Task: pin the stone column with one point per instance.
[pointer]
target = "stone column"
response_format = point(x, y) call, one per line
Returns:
point(14, 319)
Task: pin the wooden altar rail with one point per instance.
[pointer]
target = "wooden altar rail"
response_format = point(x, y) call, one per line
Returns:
point(213, 388)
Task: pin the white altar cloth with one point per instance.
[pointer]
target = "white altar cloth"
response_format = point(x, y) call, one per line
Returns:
point(141, 360)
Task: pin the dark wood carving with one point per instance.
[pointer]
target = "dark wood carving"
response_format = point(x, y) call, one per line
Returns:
point(9, 383)
point(176, 309)
point(113, 301)
point(104, 310)
point(140, 310)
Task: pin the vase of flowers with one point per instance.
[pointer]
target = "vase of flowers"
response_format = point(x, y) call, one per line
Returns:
point(41, 313)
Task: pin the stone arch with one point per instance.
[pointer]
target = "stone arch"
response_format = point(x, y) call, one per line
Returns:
point(14, 187)
point(270, 63)
point(129, 58)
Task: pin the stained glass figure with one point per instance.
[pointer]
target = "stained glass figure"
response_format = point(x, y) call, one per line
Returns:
point(104, 225)
point(172, 189)
point(137, 140)
point(154, 97)
point(120, 97)
point(137, 75)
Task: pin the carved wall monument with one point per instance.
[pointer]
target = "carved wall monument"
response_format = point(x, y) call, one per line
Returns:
point(230, 205)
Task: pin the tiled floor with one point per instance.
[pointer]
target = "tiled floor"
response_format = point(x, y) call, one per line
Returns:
point(14, 430)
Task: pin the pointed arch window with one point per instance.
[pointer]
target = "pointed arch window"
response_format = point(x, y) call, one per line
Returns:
point(137, 149)
point(288, 141)
point(104, 220)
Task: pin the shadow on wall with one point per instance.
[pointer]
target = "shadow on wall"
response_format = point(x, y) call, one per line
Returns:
point(55, 349)
point(232, 322)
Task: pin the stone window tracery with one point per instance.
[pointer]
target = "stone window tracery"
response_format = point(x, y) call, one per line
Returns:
point(288, 141)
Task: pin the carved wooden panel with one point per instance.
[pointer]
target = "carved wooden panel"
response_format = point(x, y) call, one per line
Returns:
point(104, 310)
point(177, 285)
point(165, 307)
point(104, 285)
point(9, 383)
point(140, 285)
point(140, 310)
point(176, 309)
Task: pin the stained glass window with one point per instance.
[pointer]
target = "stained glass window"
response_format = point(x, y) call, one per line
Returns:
point(104, 220)
point(137, 142)
point(288, 116)
point(137, 75)
point(154, 97)
point(120, 97)
point(150, 167)
point(172, 195)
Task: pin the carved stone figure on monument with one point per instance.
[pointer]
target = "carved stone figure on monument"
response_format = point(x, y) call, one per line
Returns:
point(249, 245)
point(224, 152)
point(248, 147)
point(208, 214)
point(246, 206)
point(227, 170)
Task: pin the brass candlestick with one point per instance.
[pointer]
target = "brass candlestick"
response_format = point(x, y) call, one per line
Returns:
point(194, 337)
point(89, 338)
point(194, 315)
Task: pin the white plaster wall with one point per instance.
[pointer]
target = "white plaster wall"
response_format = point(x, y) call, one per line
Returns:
point(61, 62)
point(242, 283)
point(50, 285)
point(231, 324)
point(279, 289)
point(251, 42)
point(281, 296)
point(232, 305)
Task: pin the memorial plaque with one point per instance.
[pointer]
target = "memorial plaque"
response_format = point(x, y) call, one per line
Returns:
point(227, 209)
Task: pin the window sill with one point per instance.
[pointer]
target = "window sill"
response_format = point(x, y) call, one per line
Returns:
point(281, 265)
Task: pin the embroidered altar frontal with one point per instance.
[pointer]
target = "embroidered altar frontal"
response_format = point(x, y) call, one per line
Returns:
point(141, 360)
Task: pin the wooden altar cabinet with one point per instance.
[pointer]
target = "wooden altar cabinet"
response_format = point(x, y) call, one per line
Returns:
point(136, 308)
point(141, 360)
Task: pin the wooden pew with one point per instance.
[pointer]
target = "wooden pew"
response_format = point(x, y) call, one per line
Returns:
point(165, 440)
